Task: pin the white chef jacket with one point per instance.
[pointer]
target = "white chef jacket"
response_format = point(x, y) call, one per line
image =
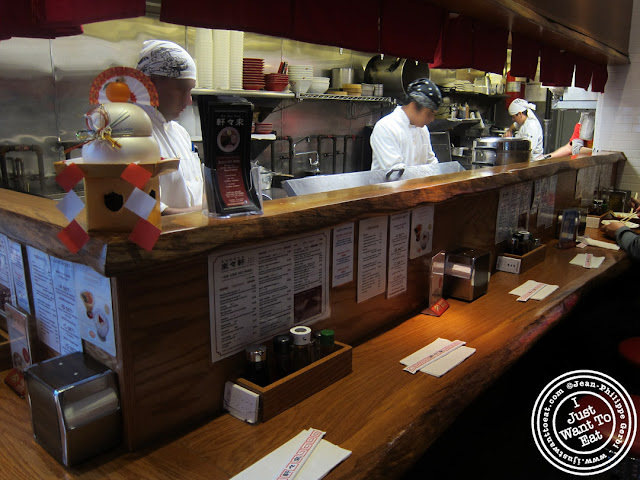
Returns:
point(394, 140)
point(532, 130)
point(182, 188)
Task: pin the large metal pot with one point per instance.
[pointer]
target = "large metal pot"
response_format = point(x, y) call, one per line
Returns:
point(493, 151)
point(394, 73)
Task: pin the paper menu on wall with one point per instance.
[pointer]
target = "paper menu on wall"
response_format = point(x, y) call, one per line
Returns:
point(398, 253)
point(513, 210)
point(94, 308)
point(343, 238)
point(545, 200)
point(62, 273)
point(256, 293)
point(44, 302)
point(18, 276)
point(421, 238)
point(6, 287)
point(372, 257)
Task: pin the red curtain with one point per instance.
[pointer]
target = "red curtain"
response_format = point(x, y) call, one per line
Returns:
point(455, 47)
point(599, 78)
point(352, 25)
point(556, 67)
point(584, 69)
point(17, 19)
point(489, 47)
point(78, 12)
point(524, 56)
point(410, 29)
point(271, 17)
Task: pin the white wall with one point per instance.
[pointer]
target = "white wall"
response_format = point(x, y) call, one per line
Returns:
point(618, 110)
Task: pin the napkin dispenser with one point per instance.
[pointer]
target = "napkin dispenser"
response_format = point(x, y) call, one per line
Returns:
point(466, 274)
point(75, 409)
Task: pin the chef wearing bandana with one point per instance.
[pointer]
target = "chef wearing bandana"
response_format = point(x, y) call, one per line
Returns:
point(173, 72)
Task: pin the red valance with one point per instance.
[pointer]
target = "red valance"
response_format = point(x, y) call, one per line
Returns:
point(599, 78)
point(78, 12)
point(524, 56)
point(420, 24)
point(455, 47)
point(489, 47)
point(17, 19)
point(268, 18)
point(584, 69)
point(556, 67)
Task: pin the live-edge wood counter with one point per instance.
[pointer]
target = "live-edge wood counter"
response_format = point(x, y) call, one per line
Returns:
point(384, 415)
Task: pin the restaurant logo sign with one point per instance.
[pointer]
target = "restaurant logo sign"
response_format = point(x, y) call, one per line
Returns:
point(584, 422)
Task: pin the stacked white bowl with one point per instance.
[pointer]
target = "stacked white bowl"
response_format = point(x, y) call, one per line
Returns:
point(300, 77)
point(221, 48)
point(236, 53)
point(319, 85)
point(204, 57)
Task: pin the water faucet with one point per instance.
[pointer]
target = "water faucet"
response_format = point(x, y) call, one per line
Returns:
point(303, 139)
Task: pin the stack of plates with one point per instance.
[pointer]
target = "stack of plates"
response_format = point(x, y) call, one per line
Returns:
point(276, 82)
point(253, 73)
point(236, 52)
point(221, 45)
point(299, 72)
point(264, 128)
point(204, 57)
point(353, 89)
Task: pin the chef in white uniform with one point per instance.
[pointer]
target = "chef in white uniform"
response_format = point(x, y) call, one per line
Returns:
point(173, 72)
point(402, 137)
point(526, 125)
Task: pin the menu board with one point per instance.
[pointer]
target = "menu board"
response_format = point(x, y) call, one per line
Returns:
point(257, 293)
point(513, 210)
point(6, 289)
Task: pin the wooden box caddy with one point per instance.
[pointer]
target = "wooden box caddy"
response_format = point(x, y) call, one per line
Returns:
point(531, 258)
point(282, 394)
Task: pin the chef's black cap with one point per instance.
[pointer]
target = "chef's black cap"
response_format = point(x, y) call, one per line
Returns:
point(425, 93)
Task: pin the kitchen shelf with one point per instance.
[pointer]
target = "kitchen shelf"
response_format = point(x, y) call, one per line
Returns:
point(264, 94)
point(351, 98)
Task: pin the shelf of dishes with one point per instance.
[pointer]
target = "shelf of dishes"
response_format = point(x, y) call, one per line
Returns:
point(283, 95)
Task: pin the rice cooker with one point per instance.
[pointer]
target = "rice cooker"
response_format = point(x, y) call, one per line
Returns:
point(494, 151)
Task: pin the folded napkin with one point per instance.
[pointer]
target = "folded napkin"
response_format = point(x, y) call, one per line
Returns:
point(324, 458)
point(444, 363)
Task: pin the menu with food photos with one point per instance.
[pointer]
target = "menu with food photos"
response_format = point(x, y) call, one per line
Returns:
point(19, 333)
point(94, 308)
point(421, 237)
point(259, 292)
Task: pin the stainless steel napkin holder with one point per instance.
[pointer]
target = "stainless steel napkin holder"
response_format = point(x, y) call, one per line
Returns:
point(466, 274)
point(75, 409)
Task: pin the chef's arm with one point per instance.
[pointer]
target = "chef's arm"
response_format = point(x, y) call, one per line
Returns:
point(510, 131)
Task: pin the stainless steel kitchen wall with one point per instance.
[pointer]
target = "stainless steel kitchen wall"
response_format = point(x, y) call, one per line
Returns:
point(44, 87)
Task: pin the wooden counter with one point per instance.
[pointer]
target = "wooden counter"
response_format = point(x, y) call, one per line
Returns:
point(386, 416)
point(161, 305)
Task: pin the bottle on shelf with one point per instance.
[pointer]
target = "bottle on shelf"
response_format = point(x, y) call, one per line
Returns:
point(283, 355)
point(301, 346)
point(257, 367)
point(327, 342)
point(315, 345)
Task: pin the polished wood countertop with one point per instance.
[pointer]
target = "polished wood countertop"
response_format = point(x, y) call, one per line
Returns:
point(386, 416)
point(36, 221)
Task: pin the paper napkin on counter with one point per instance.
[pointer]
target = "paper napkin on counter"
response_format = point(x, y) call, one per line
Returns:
point(323, 459)
point(580, 259)
point(443, 364)
point(598, 243)
point(530, 285)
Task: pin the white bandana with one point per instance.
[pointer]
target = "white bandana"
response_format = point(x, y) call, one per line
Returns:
point(520, 105)
point(167, 59)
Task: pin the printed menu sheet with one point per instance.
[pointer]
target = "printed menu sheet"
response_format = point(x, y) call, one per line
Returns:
point(44, 302)
point(545, 200)
point(398, 253)
point(18, 276)
point(6, 286)
point(421, 231)
point(343, 236)
point(513, 210)
point(65, 295)
point(256, 293)
point(372, 257)
point(587, 182)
